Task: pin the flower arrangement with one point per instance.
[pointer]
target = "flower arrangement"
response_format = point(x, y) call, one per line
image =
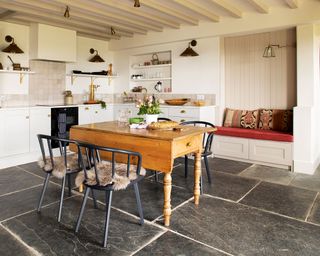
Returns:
point(149, 105)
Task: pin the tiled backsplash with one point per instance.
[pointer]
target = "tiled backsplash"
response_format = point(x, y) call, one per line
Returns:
point(48, 84)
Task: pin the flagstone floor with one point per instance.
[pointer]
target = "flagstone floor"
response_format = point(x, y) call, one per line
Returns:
point(247, 210)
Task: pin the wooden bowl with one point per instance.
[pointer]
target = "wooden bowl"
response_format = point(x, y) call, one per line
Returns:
point(177, 102)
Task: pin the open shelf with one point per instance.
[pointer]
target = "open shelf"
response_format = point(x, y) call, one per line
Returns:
point(92, 77)
point(19, 72)
point(150, 79)
point(151, 66)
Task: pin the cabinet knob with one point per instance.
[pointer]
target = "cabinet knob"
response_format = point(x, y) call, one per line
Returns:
point(86, 108)
point(96, 112)
point(188, 144)
point(182, 120)
point(182, 111)
point(27, 117)
point(49, 115)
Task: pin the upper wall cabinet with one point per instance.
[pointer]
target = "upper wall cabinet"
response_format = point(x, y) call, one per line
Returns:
point(52, 43)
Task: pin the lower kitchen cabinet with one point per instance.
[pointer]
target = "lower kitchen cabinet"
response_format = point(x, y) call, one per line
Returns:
point(14, 131)
point(40, 123)
point(95, 114)
point(129, 109)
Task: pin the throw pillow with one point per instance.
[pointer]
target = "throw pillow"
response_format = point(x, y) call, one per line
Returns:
point(241, 118)
point(276, 119)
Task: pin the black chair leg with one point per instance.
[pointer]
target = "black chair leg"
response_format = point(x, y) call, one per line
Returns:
point(108, 208)
point(156, 176)
point(95, 205)
point(206, 163)
point(136, 190)
point(185, 166)
point(63, 186)
point(69, 184)
point(201, 185)
point(83, 205)
point(44, 188)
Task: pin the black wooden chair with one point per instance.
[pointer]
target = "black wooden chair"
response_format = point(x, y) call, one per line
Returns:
point(206, 144)
point(61, 164)
point(100, 169)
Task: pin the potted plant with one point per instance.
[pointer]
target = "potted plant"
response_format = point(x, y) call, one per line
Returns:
point(150, 107)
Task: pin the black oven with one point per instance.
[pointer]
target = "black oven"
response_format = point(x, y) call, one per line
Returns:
point(61, 121)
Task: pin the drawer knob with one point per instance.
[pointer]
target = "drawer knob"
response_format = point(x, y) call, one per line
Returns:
point(27, 117)
point(182, 111)
point(49, 115)
point(96, 112)
point(188, 144)
point(86, 108)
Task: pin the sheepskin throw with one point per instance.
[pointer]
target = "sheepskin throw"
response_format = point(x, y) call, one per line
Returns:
point(104, 172)
point(59, 169)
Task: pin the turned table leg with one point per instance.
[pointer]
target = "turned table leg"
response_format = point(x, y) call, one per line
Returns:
point(167, 182)
point(197, 173)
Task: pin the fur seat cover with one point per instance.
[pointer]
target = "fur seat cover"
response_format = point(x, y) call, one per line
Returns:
point(60, 169)
point(104, 172)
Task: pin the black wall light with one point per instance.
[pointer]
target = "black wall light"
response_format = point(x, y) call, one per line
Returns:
point(95, 58)
point(12, 48)
point(189, 52)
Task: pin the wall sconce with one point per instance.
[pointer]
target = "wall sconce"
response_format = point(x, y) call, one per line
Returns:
point(95, 58)
point(269, 50)
point(136, 3)
point(66, 12)
point(189, 51)
point(12, 48)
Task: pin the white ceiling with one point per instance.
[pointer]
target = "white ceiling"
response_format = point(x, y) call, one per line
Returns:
point(94, 18)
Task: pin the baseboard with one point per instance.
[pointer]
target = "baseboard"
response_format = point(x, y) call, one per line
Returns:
point(306, 167)
point(9, 161)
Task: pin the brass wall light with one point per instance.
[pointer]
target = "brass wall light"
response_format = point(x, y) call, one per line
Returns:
point(136, 3)
point(67, 12)
point(189, 51)
point(12, 48)
point(269, 50)
point(95, 58)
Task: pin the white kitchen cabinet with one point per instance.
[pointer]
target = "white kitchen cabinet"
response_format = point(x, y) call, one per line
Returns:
point(95, 114)
point(40, 123)
point(131, 109)
point(14, 131)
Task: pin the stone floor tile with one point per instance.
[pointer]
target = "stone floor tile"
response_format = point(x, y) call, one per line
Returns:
point(172, 244)
point(14, 179)
point(270, 174)
point(286, 200)
point(311, 182)
point(315, 212)
point(242, 230)
point(43, 233)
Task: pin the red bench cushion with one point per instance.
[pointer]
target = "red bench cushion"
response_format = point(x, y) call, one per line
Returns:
point(258, 134)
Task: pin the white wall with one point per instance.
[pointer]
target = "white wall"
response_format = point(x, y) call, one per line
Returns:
point(307, 113)
point(9, 83)
point(253, 81)
point(81, 84)
point(190, 75)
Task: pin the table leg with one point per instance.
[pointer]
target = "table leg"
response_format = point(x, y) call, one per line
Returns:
point(167, 185)
point(197, 174)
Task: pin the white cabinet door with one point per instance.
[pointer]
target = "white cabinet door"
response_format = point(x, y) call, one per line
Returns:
point(130, 108)
point(102, 115)
point(15, 132)
point(40, 123)
point(85, 114)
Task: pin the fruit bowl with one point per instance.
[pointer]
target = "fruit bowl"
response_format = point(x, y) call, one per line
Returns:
point(177, 102)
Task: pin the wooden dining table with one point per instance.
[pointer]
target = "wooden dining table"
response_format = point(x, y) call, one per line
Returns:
point(158, 148)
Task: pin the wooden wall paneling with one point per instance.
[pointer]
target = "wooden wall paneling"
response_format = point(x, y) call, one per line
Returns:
point(252, 81)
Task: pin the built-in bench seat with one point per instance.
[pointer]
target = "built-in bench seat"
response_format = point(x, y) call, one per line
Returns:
point(256, 145)
point(254, 134)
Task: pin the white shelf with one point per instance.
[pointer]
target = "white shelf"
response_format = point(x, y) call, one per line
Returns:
point(19, 72)
point(16, 71)
point(152, 66)
point(150, 79)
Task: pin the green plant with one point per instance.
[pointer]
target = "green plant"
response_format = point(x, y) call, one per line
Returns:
point(149, 105)
point(103, 104)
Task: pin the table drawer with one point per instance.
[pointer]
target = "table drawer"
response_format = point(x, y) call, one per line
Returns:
point(184, 112)
point(187, 145)
point(180, 119)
